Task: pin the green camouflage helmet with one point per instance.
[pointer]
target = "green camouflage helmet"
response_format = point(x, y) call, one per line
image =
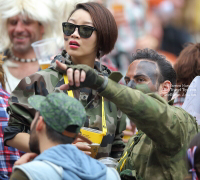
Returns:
point(59, 110)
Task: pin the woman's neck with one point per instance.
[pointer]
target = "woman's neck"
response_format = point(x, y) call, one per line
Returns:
point(86, 61)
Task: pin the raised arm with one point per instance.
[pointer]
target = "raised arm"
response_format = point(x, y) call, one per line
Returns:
point(21, 114)
point(166, 125)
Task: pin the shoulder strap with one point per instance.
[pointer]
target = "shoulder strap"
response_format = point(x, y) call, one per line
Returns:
point(104, 127)
point(70, 93)
point(123, 159)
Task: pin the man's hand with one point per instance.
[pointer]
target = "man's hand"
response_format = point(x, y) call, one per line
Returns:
point(80, 76)
point(129, 132)
point(25, 158)
point(74, 78)
point(79, 143)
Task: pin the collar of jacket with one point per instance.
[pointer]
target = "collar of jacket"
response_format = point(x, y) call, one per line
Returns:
point(65, 58)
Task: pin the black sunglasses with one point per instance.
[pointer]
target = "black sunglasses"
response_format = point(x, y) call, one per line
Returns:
point(83, 30)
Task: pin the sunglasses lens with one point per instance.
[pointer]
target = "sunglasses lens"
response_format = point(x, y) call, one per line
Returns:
point(68, 29)
point(85, 31)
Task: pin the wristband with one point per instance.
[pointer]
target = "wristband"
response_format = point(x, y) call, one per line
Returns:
point(103, 85)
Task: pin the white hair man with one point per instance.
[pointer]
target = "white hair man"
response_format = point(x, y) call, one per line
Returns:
point(22, 23)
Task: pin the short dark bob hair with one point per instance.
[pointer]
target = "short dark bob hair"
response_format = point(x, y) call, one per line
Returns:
point(105, 24)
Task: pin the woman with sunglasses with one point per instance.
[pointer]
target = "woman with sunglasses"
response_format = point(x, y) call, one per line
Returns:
point(89, 33)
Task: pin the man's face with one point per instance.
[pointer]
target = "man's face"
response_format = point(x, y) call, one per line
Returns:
point(143, 72)
point(23, 32)
point(34, 141)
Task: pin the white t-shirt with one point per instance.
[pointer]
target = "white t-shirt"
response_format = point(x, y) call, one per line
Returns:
point(11, 81)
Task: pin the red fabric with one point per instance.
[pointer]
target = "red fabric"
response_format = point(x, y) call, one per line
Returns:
point(8, 155)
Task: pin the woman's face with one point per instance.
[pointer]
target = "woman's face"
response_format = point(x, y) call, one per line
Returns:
point(81, 49)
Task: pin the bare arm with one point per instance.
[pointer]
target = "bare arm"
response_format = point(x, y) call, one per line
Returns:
point(20, 141)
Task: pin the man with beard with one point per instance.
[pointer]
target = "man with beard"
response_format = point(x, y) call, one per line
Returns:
point(56, 125)
point(22, 23)
point(157, 151)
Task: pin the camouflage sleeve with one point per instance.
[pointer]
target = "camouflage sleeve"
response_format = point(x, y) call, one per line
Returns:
point(118, 144)
point(21, 114)
point(151, 114)
point(18, 175)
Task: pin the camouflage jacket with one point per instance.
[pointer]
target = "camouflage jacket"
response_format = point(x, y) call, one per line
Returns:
point(160, 149)
point(48, 81)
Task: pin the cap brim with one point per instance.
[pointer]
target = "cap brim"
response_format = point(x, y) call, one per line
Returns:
point(35, 101)
point(72, 135)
